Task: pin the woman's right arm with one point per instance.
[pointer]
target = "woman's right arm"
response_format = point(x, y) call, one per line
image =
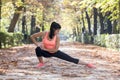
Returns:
point(35, 35)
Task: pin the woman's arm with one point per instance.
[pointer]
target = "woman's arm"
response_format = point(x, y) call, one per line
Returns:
point(34, 36)
point(57, 46)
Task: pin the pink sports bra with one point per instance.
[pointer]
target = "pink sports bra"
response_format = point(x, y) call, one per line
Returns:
point(49, 44)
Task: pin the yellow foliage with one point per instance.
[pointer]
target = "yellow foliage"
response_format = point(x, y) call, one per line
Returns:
point(18, 4)
point(66, 2)
point(5, 1)
point(7, 9)
point(18, 12)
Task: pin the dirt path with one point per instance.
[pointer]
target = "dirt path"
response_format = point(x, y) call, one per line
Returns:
point(19, 63)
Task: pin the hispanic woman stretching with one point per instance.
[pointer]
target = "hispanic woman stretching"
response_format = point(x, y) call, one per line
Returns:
point(50, 44)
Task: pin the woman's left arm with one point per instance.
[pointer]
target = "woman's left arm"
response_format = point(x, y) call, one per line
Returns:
point(57, 46)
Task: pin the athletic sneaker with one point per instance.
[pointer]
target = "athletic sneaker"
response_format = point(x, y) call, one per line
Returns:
point(40, 65)
point(90, 65)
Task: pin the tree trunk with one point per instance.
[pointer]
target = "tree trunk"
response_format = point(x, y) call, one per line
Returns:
point(37, 28)
point(0, 21)
point(83, 28)
point(32, 24)
point(24, 19)
point(13, 22)
point(114, 29)
point(15, 18)
point(101, 23)
point(74, 32)
point(78, 30)
point(109, 24)
point(23, 24)
point(0, 13)
point(43, 21)
point(89, 24)
point(43, 26)
point(118, 21)
point(119, 17)
point(95, 20)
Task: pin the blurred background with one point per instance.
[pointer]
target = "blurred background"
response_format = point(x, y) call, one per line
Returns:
point(86, 21)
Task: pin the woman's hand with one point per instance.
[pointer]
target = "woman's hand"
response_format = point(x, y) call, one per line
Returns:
point(35, 35)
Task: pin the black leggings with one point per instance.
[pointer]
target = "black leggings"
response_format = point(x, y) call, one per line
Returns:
point(58, 54)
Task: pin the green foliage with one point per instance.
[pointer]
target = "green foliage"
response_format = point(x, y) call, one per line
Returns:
point(3, 37)
point(111, 6)
point(18, 37)
point(104, 40)
point(109, 41)
point(7, 10)
point(100, 40)
point(85, 38)
point(10, 39)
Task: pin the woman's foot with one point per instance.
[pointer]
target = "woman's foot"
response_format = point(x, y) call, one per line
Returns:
point(40, 65)
point(90, 65)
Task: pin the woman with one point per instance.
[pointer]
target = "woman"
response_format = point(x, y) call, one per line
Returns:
point(50, 44)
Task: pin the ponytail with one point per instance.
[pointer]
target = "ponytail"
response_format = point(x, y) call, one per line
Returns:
point(54, 26)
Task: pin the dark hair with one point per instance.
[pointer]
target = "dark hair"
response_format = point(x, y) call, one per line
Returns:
point(54, 26)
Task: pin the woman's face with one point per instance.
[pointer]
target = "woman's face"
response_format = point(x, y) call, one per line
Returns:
point(57, 31)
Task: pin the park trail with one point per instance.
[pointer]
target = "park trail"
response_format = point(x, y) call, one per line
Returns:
point(19, 63)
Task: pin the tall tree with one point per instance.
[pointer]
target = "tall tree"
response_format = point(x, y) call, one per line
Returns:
point(46, 4)
point(23, 24)
point(0, 21)
point(74, 32)
point(0, 12)
point(95, 20)
point(119, 16)
point(33, 20)
point(15, 16)
point(114, 31)
point(83, 22)
point(101, 22)
point(42, 24)
point(89, 23)
point(24, 19)
point(109, 24)
point(112, 6)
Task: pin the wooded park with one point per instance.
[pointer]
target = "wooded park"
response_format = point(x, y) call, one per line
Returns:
point(90, 31)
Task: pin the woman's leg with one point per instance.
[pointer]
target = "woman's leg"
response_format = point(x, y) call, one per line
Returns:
point(66, 57)
point(59, 54)
point(62, 55)
point(41, 53)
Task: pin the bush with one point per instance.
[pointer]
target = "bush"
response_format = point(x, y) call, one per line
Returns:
point(10, 39)
point(104, 40)
point(85, 38)
point(109, 41)
point(100, 40)
point(18, 37)
point(3, 38)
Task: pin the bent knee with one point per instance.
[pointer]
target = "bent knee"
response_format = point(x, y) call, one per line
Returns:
point(37, 49)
